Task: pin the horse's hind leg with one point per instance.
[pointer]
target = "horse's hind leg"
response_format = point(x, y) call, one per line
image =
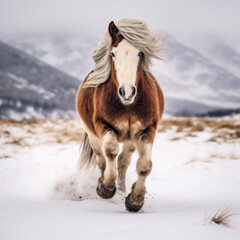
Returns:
point(124, 160)
point(96, 145)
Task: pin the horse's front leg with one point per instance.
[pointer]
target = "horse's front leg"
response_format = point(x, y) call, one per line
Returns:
point(124, 160)
point(110, 148)
point(134, 201)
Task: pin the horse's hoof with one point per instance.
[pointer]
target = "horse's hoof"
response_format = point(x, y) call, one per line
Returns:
point(104, 192)
point(132, 207)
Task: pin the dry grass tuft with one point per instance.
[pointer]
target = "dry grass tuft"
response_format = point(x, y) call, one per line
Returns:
point(176, 138)
point(18, 141)
point(6, 132)
point(190, 134)
point(231, 156)
point(5, 156)
point(226, 124)
point(234, 156)
point(222, 130)
point(223, 136)
point(165, 125)
point(185, 124)
point(198, 127)
point(217, 155)
point(43, 131)
point(198, 159)
point(222, 217)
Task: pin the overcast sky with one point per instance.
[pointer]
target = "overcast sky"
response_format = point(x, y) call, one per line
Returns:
point(185, 19)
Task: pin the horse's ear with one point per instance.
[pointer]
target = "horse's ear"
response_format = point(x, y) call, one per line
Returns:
point(113, 30)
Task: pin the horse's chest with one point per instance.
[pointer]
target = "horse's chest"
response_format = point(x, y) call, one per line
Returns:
point(128, 130)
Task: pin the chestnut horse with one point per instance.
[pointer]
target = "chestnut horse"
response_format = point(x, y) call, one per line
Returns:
point(121, 102)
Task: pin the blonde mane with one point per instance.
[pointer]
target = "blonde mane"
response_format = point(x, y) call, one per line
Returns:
point(138, 34)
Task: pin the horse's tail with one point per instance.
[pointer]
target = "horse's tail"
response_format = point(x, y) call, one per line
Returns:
point(87, 157)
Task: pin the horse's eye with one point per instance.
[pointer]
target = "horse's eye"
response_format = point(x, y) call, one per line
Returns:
point(140, 54)
point(112, 54)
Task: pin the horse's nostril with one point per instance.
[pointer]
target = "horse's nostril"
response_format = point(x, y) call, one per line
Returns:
point(133, 91)
point(121, 92)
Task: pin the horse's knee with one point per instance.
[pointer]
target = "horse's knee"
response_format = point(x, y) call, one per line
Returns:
point(111, 147)
point(144, 168)
point(112, 151)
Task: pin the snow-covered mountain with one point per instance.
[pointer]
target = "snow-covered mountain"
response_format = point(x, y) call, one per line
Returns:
point(70, 53)
point(30, 88)
point(219, 53)
point(192, 83)
point(189, 75)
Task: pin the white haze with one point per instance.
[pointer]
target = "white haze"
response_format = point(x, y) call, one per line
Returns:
point(186, 19)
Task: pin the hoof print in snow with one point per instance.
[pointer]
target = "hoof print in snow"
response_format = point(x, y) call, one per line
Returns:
point(104, 192)
point(132, 207)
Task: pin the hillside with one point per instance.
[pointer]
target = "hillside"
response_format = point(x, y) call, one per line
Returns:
point(192, 83)
point(30, 88)
point(186, 77)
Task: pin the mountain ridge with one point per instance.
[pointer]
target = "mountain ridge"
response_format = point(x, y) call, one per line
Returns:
point(30, 85)
point(184, 94)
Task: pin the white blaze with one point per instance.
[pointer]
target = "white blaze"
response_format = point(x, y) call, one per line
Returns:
point(126, 63)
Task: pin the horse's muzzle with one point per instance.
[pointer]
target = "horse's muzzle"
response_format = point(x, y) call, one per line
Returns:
point(127, 95)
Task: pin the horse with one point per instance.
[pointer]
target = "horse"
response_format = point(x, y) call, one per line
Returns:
point(120, 101)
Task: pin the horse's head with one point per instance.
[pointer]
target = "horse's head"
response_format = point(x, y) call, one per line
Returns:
point(125, 62)
point(125, 52)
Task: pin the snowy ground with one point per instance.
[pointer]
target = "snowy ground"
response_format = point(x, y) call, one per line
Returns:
point(195, 173)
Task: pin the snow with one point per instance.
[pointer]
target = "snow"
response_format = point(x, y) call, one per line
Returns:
point(22, 83)
point(32, 113)
point(42, 196)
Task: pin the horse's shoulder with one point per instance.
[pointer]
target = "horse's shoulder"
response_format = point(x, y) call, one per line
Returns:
point(84, 104)
point(159, 92)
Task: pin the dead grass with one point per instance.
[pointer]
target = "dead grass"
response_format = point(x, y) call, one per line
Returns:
point(217, 155)
point(223, 216)
point(30, 132)
point(184, 124)
point(212, 156)
point(176, 138)
point(230, 156)
point(198, 159)
point(224, 136)
point(5, 156)
point(198, 124)
point(222, 130)
point(190, 134)
point(6, 132)
point(234, 156)
point(35, 132)
point(226, 124)
point(17, 141)
point(198, 127)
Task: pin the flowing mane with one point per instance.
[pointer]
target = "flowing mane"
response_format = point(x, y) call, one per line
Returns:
point(135, 32)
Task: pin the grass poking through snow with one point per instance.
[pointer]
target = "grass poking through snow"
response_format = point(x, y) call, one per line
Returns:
point(223, 216)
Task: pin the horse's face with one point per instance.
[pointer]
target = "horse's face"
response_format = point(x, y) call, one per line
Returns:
point(125, 59)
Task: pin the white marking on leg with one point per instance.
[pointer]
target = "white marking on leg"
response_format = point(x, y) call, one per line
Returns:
point(110, 149)
point(124, 160)
point(144, 166)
